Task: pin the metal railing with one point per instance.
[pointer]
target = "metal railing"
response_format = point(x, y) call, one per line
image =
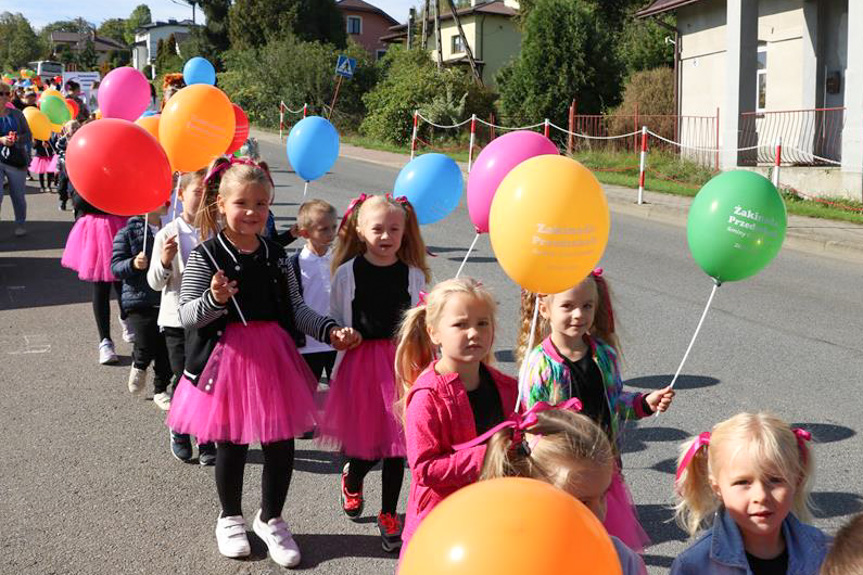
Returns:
point(811, 137)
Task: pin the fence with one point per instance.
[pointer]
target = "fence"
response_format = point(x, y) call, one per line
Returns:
point(816, 135)
point(286, 125)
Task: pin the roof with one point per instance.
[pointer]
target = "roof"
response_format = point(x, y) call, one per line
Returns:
point(493, 7)
point(362, 6)
point(659, 6)
point(160, 24)
point(100, 43)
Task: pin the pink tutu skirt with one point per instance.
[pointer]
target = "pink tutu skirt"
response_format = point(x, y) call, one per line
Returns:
point(620, 517)
point(89, 246)
point(255, 389)
point(43, 165)
point(359, 415)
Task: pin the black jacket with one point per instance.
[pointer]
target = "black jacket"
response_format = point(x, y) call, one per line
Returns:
point(128, 243)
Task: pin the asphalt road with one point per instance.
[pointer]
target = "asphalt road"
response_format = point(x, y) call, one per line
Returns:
point(88, 485)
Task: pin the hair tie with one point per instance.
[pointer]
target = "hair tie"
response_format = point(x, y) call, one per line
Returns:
point(803, 436)
point(423, 297)
point(231, 163)
point(354, 203)
point(703, 440)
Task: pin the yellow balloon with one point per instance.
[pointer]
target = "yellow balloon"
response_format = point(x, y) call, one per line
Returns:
point(549, 223)
point(56, 127)
point(39, 123)
point(98, 114)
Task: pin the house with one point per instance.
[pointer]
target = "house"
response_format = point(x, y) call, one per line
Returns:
point(76, 41)
point(366, 24)
point(776, 70)
point(490, 29)
point(147, 40)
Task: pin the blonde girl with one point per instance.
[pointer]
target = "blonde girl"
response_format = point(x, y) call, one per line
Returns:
point(569, 451)
point(379, 271)
point(244, 381)
point(449, 397)
point(751, 475)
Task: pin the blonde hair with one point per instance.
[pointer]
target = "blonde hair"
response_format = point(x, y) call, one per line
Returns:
point(772, 444)
point(846, 554)
point(566, 437)
point(70, 127)
point(415, 349)
point(223, 177)
point(349, 244)
point(186, 178)
point(603, 326)
point(305, 215)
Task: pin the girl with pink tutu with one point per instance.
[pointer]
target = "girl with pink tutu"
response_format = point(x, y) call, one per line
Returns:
point(44, 163)
point(579, 359)
point(380, 269)
point(244, 381)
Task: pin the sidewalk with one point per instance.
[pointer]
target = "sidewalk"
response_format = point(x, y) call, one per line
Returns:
point(842, 240)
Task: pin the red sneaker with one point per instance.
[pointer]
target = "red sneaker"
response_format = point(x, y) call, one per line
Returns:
point(390, 527)
point(352, 503)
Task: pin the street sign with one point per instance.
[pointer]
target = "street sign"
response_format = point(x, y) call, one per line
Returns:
point(345, 66)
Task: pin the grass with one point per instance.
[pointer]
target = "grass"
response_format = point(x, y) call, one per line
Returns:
point(459, 155)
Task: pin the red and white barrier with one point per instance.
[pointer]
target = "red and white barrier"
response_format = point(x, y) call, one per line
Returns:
point(284, 108)
point(642, 165)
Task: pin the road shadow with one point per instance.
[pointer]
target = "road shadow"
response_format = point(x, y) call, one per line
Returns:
point(826, 432)
point(442, 250)
point(658, 522)
point(307, 460)
point(830, 504)
point(657, 561)
point(668, 466)
point(475, 260)
point(28, 282)
point(683, 381)
point(40, 235)
point(636, 438)
point(505, 356)
point(319, 548)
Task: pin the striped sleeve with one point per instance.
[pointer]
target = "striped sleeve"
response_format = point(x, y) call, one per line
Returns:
point(197, 306)
point(308, 320)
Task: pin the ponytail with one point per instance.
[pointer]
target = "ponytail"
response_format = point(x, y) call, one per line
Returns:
point(414, 353)
point(543, 329)
point(348, 243)
point(413, 249)
point(207, 219)
point(696, 500)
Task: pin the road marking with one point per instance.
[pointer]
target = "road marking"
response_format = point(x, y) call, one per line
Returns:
point(33, 344)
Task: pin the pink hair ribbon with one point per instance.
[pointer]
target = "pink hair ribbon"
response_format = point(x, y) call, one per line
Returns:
point(351, 207)
point(703, 440)
point(803, 437)
point(519, 423)
point(231, 163)
point(423, 298)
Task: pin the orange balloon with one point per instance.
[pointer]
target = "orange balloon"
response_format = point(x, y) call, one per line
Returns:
point(150, 123)
point(98, 114)
point(510, 526)
point(196, 126)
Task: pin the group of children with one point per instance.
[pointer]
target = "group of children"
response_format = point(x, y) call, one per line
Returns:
point(245, 332)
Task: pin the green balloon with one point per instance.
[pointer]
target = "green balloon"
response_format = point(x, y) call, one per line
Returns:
point(56, 109)
point(736, 225)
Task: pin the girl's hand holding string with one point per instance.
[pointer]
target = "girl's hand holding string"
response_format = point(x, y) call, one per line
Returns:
point(660, 399)
point(221, 289)
point(343, 338)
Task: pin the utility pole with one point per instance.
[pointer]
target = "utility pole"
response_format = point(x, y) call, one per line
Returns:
point(465, 43)
point(438, 43)
point(412, 17)
point(426, 25)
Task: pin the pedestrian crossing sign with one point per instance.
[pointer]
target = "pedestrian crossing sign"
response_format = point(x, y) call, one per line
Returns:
point(345, 66)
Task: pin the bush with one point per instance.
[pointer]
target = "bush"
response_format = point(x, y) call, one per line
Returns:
point(411, 81)
point(651, 93)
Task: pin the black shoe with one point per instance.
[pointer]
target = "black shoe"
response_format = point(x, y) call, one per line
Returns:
point(181, 447)
point(310, 434)
point(207, 454)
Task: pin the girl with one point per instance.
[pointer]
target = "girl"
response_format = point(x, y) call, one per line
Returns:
point(61, 143)
point(579, 359)
point(451, 399)
point(44, 163)
point(241, 307)
point(752, 474)
point(565, 449)
point(380, 269)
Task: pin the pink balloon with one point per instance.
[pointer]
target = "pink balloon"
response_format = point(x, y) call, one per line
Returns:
point(124, 93)
point(494, 163)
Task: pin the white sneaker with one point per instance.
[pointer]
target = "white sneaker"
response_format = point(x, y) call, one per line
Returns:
point(275, 533)
point(20, 231)
point(137, 380)
point(128, 335)
point(231, 537)
point(106, 352)
point(162, 400)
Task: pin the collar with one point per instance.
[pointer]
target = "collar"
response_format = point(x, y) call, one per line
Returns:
point(307, 254)
point(549, 349)
point(223, 240)
point(184, 226)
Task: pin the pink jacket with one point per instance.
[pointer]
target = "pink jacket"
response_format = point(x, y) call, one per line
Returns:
point(438, 416)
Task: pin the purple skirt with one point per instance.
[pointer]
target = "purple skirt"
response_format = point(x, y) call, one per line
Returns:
point(89, 246)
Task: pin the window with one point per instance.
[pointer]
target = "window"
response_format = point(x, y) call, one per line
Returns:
point(380, 53)
point(355, 25)
point(457, 44)
point(761, 84)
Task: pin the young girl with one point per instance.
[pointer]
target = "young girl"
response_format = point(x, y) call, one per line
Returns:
point(450, 399)
point(752, 475)
point(61, 143)
point(565, 449)
point(44, 163)
point(380, 269)
point(241, 307)
point(579, 359)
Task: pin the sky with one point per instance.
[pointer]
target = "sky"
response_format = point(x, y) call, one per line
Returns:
point(42, 12)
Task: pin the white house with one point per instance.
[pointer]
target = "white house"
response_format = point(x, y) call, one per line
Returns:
point(147, 40)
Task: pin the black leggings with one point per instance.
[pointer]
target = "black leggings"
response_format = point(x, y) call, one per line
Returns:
point(392, 475)
point(102, 306)
point(42, 179)
point(275, 478)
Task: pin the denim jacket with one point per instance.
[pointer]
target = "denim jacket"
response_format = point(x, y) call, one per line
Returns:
point(720, 551)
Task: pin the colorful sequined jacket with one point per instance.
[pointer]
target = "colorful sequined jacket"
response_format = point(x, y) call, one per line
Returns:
point(548, 379)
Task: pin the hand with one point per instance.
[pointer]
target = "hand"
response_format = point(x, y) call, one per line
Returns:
point(169, 250)
point(295, 231)
point(6, 141)
point(140, 262)
point(342, 338)
point(660, 399)
point(222, 289)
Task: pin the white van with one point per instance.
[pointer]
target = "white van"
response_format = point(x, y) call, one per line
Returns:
point(46, 69)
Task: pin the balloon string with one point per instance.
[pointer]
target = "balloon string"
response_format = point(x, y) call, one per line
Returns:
point(466, 256)
point(146, 228)
point(305, 189)
point(174, 199)
point(216, 265)
point(522, 372)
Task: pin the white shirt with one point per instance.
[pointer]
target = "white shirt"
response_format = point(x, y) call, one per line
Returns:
point(188, 238)
point(315, 274)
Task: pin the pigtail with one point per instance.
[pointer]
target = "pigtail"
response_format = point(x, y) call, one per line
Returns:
point(696, 500)
point(348, 244)
point(604, 320)
point(207, 218)
point(413, 249)
point(414, 352)
point(265, 167)
point(543, 329)
point(502, 459)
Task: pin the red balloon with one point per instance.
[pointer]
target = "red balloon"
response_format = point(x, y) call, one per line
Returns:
point(74, 105)
point(119, 167)
point(241, 131)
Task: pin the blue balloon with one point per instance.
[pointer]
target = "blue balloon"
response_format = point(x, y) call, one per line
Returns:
point(313, 147)
point(433, 184)
point(199, 71)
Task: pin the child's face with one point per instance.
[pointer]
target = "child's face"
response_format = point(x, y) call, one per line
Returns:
point(245, 208)
point(464, 331)
point(757, 501)
point(191, 197)
point(381, 230)
point(571, 313)
point(587, 482)
point(321, 231)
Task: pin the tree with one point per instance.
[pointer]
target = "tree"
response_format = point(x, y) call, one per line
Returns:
point(139, 17)
point(20, 44)
point(86, 57)
point(167, 59)
point(253, 23)
point(642, 46)
point(114, 28)
point(212, 40)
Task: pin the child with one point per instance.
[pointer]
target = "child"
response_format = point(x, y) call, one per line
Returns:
point(846, 555)
point(380, 269)
point(174, 242)
point(451, 399)
point(133, 250)
point(44, 163)
point(579, 359)
point(567, 450)
point(241, 306)
point(753, 479)
point(88, 251)
point(60, 144)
